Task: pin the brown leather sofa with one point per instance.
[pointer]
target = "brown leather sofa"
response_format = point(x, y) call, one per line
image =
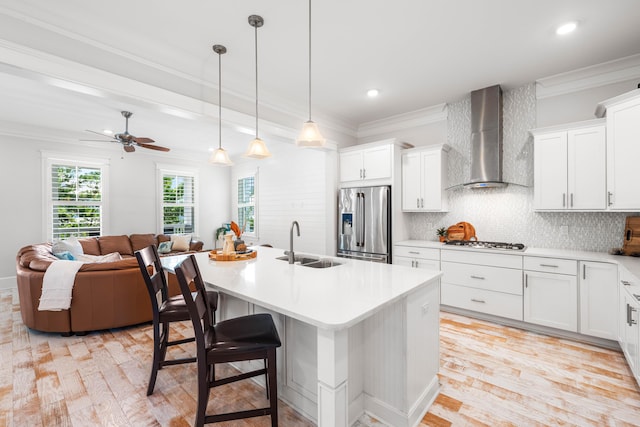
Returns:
point(105, 295)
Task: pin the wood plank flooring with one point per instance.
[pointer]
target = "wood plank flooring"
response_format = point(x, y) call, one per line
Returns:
point(491, 376)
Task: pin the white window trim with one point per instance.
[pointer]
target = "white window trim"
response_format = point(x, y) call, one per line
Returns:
point(162, 169)
point(238, 174)
point(50, 158)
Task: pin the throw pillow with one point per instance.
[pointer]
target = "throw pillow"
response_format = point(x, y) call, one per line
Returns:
point(112, 257)
point(180, 242)
point(164, 247)
point(65, 255)
point(68, 245)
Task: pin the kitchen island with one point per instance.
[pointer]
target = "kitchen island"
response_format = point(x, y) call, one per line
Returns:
point(357, 337)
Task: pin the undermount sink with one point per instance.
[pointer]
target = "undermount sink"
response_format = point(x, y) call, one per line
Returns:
point(307, 261)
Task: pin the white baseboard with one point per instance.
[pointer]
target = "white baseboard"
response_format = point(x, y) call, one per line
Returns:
point(8, 283)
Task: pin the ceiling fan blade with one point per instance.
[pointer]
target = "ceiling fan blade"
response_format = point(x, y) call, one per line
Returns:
point(129, 148)
point(143, 140)
point(98, 133)
point(153, 147)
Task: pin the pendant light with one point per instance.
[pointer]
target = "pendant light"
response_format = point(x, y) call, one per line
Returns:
point(310, 135)
point(257, 148)
point(220, 155)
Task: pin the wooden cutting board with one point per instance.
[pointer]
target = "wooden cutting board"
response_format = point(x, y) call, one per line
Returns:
point(631, 239)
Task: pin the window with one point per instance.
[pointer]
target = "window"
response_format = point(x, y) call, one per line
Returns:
point(179, 202)
point(247, 204)
point(76, 198)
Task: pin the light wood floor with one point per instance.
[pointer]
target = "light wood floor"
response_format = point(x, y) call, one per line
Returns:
point(491, 375)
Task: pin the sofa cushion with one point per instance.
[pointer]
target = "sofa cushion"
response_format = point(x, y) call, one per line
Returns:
point(90, 245)
point(120, 244)
point(141, 241)
point(180, 242)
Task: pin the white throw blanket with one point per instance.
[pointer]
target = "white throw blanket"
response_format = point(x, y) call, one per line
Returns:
point(57, 285)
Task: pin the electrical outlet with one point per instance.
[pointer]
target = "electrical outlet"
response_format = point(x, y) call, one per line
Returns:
point(564, 230)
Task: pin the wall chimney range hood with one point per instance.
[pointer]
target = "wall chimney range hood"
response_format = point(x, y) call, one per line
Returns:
point(486, 138)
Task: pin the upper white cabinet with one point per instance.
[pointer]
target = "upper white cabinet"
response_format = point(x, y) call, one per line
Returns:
point(424, 177)
point(623, 149)
point(366, 164)
point(570, 167)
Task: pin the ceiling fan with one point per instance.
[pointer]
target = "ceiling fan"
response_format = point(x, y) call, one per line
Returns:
point(128, 141)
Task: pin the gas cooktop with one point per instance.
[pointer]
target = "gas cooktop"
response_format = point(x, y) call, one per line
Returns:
point(487, 245)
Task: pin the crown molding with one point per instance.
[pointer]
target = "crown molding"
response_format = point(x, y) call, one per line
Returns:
point(412, 119)
point(610, 72)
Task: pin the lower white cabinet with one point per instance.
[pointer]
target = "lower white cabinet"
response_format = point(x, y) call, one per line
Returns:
point(629, 322)
point(551, 300)
point(598, 299)
point(484, 282)
point(416, 257)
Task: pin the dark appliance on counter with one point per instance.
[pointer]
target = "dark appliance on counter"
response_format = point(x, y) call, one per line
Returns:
point(487, 245)
point(364, 223)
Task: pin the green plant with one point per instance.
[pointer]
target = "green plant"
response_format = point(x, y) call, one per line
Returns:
point(220, 232)
point(441, 232)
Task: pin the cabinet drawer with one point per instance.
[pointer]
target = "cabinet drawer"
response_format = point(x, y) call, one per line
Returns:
point(482, 300)
point(417, 252)
point(551, 265)
point(482, 258)
point(483, 277)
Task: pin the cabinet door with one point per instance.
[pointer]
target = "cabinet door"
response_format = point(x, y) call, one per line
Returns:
point(623, 151)
point(376, 162)
point(411, 188)
point(550, 171)
point(598, 299)
point(551, 300)
point(631, 345)
point(431, 181)
point(586, 172)
point(351, 166)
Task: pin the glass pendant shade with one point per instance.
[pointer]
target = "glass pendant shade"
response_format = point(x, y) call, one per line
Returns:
point(310, 135)
point(257, 149)
point(220, 157)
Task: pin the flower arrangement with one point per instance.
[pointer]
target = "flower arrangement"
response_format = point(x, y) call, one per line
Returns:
point(239, 243)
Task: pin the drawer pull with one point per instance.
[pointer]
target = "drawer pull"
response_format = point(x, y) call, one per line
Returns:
point(625, 283)
point(414, 252)
point(548, 265)
point(478, 277)
point(478, 300)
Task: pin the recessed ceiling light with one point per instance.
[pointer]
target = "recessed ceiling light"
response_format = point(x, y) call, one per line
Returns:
point(566, 28)
point(107, 131)
point(372, 93)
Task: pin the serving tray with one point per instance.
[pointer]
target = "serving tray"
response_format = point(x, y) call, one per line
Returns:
point(219, 256)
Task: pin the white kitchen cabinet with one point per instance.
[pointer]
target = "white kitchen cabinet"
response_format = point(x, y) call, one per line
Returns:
point(551, 292)
point(424, 177)
point(629, 326)
point(570, 167)
point(366, 164)
point(623, 133)
point(484, 282)
point(417, 257)
point(598, 299)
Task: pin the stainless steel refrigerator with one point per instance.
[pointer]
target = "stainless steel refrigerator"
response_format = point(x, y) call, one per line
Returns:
point(364, 223)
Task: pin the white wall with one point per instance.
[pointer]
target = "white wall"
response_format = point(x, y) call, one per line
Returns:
point(133, 204)
point(296, 184)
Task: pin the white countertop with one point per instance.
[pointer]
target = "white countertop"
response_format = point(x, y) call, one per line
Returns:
point(330, 298)
point(631, 264)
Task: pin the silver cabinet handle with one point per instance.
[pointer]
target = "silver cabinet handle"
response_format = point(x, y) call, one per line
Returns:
point(414, 252)
point(609, 196)
point(477, 277)
point(631, 311)
point(571, 199)
point(478, 300)
point(417, 262)
point(564, 200)
point(418, 202)
point(584, 271)
point(413, 263)
point(625, 283)
point(361, 174)
point(364, 173)
point(526, 280)
point(421, 202)
point(548, 265)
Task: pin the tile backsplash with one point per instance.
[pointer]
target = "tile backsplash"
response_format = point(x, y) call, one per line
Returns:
point(506, 214)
